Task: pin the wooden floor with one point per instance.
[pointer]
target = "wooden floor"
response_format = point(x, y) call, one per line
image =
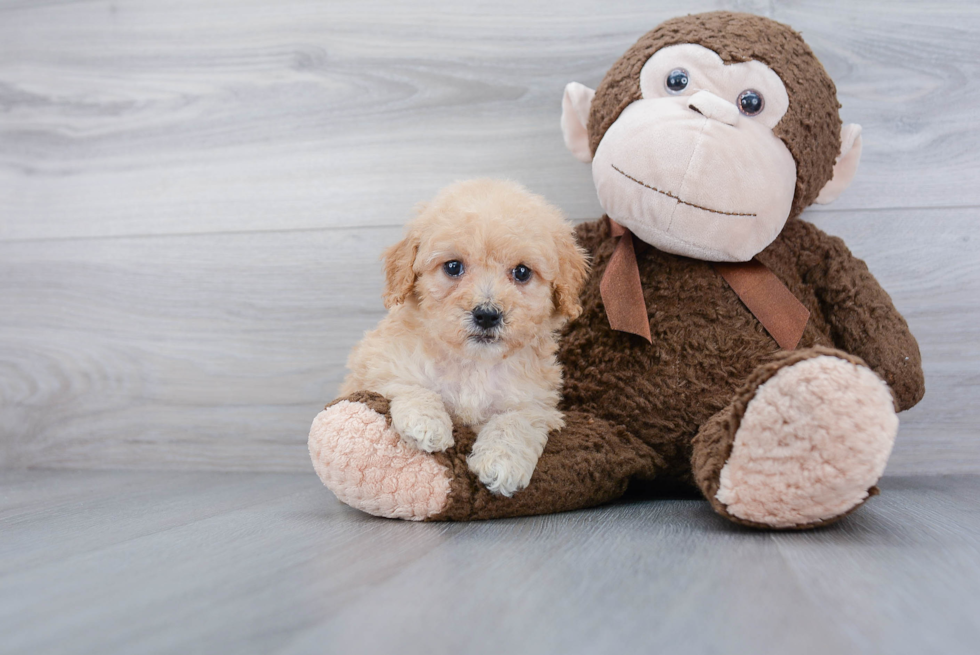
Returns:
point(194, 195)
point(170, 562)
point(193, 198)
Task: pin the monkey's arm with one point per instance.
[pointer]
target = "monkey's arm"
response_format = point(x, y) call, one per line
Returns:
point(861, 315)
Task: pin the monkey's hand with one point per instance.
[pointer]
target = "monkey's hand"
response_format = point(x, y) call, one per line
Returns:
point(862, 318)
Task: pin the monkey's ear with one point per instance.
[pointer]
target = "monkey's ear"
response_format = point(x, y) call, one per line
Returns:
point(846, 166)
point(399, 262)
point(575, 119)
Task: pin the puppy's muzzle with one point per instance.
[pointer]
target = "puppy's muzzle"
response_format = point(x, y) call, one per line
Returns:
point(487, 317)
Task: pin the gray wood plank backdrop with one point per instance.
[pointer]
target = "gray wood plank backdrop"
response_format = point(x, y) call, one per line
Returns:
point(194, 194)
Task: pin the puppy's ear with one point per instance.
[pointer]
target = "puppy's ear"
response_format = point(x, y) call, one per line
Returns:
point(573, 268)
point(399, 265)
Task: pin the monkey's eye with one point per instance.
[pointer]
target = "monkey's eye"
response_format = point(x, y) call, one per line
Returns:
point(453, 268)
point(750, 102)
point(677, 80)
point(521, 273)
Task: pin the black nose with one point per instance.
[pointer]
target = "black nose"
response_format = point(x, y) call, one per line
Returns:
point(486, 317)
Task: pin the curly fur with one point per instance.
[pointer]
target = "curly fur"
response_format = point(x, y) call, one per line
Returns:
point(432, 360)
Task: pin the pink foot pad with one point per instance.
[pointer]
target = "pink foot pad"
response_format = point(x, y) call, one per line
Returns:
point(365, 463)
point(813, 440)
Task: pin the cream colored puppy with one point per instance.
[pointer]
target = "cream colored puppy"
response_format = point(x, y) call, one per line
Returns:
point(477, 291)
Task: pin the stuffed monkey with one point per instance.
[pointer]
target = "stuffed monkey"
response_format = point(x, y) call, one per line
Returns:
point(724, 342)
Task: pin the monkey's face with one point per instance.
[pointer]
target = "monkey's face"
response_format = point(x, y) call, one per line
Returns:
point(694, 168)
point(710, 132)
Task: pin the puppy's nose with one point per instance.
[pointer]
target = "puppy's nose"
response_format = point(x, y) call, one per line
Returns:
point(486, 317)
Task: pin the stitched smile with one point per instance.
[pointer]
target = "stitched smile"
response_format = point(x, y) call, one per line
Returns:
point(671, 195)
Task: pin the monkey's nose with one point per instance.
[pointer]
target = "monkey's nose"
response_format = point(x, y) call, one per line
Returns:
point(711, 106)
point(486, 317)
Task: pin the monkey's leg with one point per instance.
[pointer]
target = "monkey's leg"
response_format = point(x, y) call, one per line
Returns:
point(802, 443)
point(368, 466)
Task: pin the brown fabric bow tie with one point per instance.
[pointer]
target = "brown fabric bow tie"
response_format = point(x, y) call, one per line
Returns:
point(781, 314)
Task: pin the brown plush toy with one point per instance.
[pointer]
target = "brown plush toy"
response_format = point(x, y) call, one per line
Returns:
point(724, 343)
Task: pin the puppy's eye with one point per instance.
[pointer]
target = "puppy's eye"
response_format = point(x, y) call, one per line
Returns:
point(453, 268)
point(521, 273)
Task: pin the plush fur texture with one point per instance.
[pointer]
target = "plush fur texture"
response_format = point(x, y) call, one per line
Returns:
point(674, 409)
point(721, 184)
point(706, 343)
point(368, 466)
point(671, 410)
point(813, 439)
point(587, 462)
point(810, 128)
point(433, 358)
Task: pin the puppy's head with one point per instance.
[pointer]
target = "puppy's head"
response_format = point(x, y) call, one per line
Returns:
point(490, 266)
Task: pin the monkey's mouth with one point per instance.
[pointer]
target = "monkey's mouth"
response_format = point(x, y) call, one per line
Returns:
point(679, 200)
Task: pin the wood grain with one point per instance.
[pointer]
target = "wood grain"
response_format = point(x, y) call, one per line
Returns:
point(193, 196)
point(160, 118)
point(216, 351)
point(126, 562)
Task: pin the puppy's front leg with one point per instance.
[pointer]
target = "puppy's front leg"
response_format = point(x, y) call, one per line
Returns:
point(508, 448)
point(420, 417)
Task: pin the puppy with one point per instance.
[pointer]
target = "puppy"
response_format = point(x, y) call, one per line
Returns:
point(477, 290)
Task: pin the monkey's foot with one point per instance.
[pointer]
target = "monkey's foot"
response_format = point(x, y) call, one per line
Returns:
point(802, 443)
point(812, 443)
point(367, 465)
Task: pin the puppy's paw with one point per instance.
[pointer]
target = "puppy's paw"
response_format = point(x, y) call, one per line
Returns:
point(502, 465)
point(425, 425)
point(429, 433)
